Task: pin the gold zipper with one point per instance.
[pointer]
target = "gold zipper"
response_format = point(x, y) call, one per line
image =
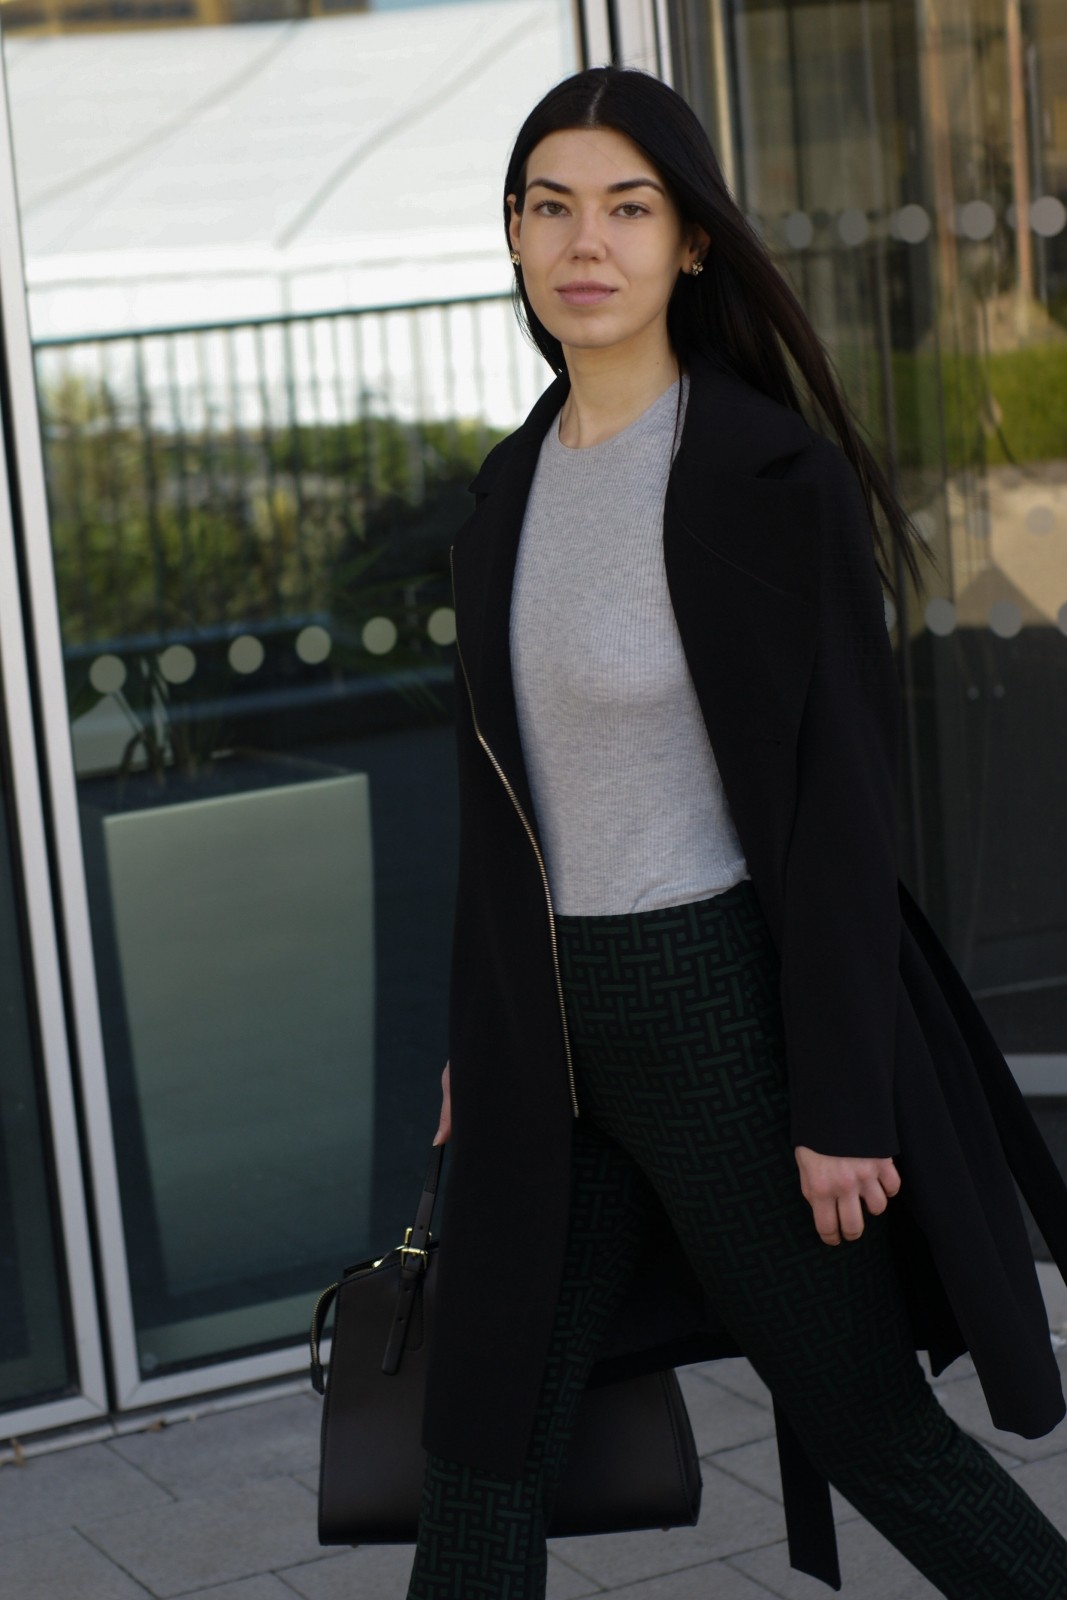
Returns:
point(513, 797)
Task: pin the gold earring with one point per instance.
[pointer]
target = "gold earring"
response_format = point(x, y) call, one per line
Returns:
point(514, 258)
point(696, 268)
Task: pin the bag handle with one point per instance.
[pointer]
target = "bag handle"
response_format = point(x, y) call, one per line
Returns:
point(318, 1322)
point(414, 1257)
point(417, 1236)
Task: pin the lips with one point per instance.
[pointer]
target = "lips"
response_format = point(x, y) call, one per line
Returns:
point(585, 293)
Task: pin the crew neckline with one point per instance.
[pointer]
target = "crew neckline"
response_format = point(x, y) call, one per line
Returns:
point(576, 450)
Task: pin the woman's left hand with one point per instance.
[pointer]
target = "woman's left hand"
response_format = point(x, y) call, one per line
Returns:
point(834, 1187)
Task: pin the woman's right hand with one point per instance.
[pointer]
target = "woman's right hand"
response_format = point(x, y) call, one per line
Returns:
point(834, 1186)
point(444, 1127)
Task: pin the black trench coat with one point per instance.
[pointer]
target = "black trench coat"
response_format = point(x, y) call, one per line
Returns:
point(770, 568)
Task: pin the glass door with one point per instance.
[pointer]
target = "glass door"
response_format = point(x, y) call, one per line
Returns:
point(51, 1369)
point(268, 296)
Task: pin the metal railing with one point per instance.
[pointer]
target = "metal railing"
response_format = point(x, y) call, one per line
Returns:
point(224, 475)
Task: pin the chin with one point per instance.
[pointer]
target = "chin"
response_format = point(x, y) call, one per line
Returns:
point(583, 333)
point(606, 342)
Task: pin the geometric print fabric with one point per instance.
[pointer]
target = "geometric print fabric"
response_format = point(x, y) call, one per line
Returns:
point(679, 1064)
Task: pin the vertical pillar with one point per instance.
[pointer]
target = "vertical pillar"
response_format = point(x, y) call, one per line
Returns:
point(933, 66)
point(1020, 166)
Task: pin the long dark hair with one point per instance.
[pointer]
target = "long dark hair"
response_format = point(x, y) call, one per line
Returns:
point(741, 308)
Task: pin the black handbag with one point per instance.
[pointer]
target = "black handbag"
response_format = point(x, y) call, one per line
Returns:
point(632, 1461)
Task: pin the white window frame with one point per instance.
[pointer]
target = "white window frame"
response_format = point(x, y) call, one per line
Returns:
point(21, 500)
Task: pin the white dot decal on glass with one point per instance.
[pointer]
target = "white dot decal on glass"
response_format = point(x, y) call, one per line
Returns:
point(107, 674)
point(998, 691)
point(911, 224)
point(798, 230)
point(976, 220)
point(177, 663)
point(1040, 519)
point(246, 653)
point(1061, 618)
point(1048, 215)
point(379, 636)
point(442, 625)
point(940, 617)
point(972, 691)
point(313, 644)
point(890, 613)
point(1005, 618)
point(852, 226)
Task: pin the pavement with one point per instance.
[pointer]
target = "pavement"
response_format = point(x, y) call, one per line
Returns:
point(220, 1503)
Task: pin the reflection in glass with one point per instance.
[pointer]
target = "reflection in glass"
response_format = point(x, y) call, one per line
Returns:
point(909, 166)
point(268, 291)
point(36, 1353)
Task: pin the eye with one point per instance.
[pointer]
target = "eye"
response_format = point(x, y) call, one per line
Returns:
point(635, 207)
point(541, 204)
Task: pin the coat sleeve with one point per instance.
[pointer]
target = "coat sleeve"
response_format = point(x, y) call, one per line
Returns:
point(841, 930)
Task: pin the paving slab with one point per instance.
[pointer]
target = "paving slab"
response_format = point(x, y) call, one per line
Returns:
point(564, 1582)
point(721, 1418)
point(737, 1374)
point(733, 1517)
point(63, 1566)
point(223, 1508)
point(381, 1572)
point(195, 1543)
point(373, 1572)
point(870, 1567)
point(218, 1449)
point(70, 1486)
point(714, 1581)
point(265, 1587)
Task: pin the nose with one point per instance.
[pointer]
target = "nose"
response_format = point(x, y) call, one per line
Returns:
point(587, 238)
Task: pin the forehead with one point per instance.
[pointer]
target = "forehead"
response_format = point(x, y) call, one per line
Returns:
point(588, 158)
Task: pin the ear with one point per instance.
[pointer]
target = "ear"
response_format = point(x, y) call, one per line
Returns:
point(513, 225)
point(698, 243)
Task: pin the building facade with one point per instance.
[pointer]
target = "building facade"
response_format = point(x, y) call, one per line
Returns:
point(256, 336)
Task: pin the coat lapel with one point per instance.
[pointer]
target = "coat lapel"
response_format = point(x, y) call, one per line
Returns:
point(742, 561)
point(742, 557)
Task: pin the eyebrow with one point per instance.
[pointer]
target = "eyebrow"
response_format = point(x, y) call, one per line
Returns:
point(612, 188)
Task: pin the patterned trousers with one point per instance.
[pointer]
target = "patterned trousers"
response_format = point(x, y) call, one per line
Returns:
point(680, 1070)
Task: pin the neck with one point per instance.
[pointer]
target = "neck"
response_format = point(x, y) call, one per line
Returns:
point(611, 387)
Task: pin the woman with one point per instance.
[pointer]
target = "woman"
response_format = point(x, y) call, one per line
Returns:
point(718, 1089)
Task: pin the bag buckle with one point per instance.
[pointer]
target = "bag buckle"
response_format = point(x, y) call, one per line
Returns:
point(407, 1249)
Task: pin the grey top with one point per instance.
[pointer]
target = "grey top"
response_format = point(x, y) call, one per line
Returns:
point(628, 799)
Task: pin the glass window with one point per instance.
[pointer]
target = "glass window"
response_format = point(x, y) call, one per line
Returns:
point(36, 1349)
point(268, 287)
point(908, 165)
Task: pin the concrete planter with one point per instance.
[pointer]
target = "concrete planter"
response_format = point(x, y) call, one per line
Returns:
point(235, 948)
